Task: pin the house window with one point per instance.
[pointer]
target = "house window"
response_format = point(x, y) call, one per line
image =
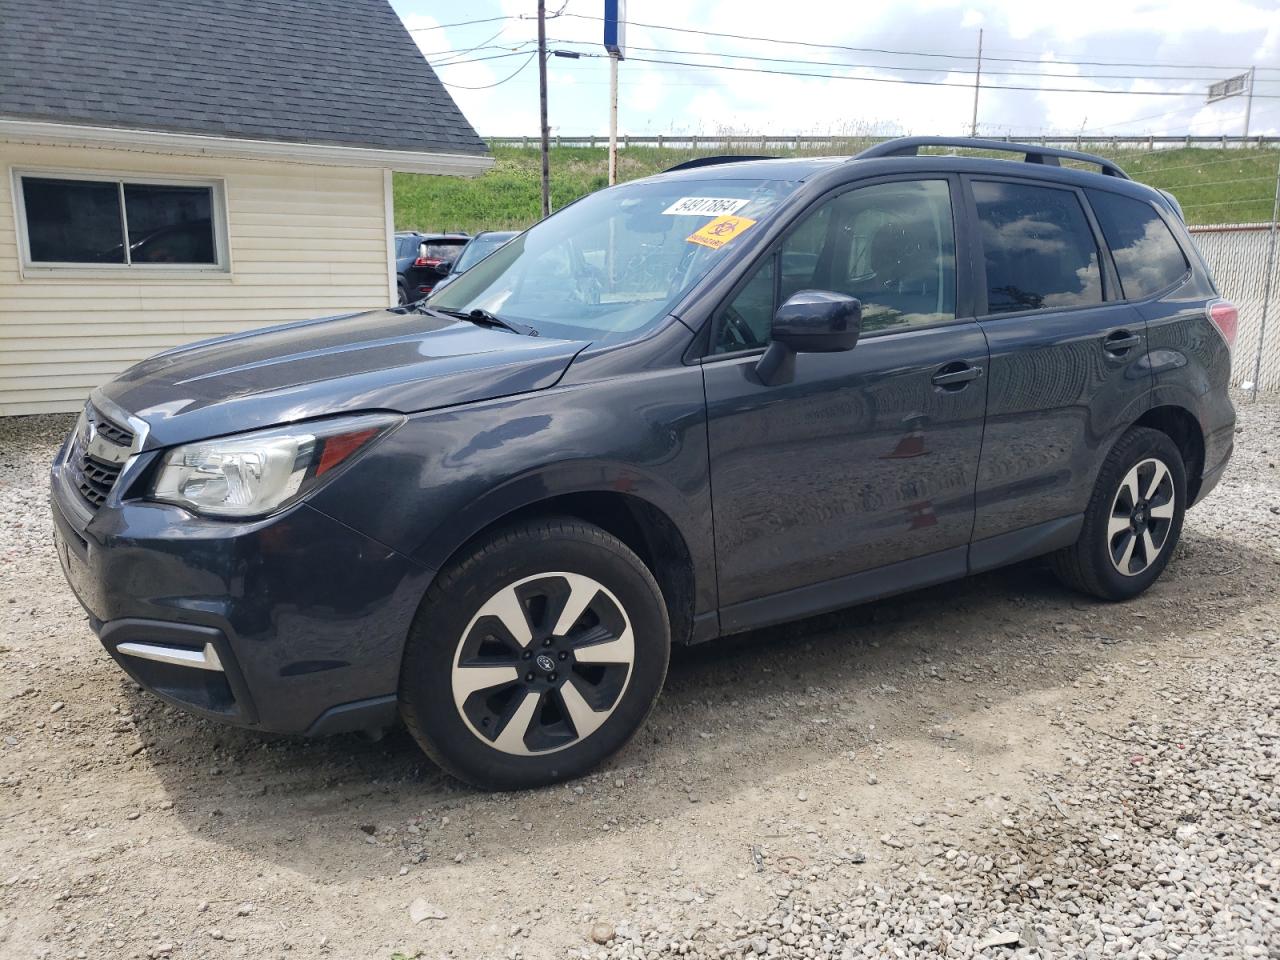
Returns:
point(86, 221)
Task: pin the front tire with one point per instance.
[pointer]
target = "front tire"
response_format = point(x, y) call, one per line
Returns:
point(535, 657)
point(1133, 520)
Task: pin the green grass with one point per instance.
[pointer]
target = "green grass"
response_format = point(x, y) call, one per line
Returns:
point(1213, 186)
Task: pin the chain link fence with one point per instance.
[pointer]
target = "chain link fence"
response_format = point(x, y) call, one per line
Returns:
point(1239, 255)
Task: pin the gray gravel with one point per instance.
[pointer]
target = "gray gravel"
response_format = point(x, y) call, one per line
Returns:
point(996, 768)
point(1162, 840)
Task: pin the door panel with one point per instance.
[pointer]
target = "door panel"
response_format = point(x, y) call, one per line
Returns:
point(1068, 370)
point(858, 462)
point(1055, 399)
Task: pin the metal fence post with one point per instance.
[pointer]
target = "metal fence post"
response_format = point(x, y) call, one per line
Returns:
point(1266, 288)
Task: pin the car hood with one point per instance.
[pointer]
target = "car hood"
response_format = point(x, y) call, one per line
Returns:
point(380, 360)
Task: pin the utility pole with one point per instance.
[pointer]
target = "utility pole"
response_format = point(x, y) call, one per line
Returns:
point(977, 85)
point(615, 42)
point(1248, 104)
point(542, 106)
point(613, 119)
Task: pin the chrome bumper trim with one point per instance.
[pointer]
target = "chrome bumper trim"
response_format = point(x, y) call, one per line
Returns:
point(206, 659)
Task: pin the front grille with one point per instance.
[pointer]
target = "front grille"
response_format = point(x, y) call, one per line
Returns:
point(120, 436)
point(97, 456)
point(96, 480)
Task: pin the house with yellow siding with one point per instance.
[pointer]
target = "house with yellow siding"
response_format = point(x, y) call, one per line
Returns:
point(173, 172)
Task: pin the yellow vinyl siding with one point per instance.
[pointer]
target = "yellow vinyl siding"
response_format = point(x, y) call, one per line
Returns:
point(304, 240)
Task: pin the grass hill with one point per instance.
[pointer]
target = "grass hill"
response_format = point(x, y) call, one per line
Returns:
point(1213, 185)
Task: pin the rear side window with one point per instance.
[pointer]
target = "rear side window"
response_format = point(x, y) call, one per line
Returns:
point(1147, 256)
point(1038, 246)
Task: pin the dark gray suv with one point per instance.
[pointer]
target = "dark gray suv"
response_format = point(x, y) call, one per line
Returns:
point(734, 394)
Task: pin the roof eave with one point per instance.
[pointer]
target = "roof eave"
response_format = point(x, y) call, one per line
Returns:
point(200, 145)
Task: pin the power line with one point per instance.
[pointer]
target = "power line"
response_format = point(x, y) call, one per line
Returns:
point(462, 23)
point(923, 83)
point(1187, 166)
point(458, 86)
point(915, 53)
point(879, 50)
point(486, 44)
point(497, 56)
point(1153, 116)
point(1224, 203)
point(895, 67)
point(1212, 183)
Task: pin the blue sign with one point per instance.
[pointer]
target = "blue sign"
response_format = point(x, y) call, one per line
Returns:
point(615, 27)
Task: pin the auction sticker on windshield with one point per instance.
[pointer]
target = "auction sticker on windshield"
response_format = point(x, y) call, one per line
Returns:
point(720, 231)
point(705, 206)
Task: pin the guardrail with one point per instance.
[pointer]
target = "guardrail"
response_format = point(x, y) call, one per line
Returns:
point(696, 141)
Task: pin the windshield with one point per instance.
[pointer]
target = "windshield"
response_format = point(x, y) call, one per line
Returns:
point(612, 264)
point(478, 249)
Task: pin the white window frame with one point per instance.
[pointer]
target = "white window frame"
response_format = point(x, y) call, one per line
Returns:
point(221, 268)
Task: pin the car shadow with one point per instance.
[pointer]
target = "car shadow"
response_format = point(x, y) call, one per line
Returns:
point(755, 706)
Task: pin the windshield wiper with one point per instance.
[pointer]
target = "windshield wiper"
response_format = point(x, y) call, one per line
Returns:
point(486, 319)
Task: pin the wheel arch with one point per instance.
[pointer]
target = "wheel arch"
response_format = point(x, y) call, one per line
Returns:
point(1181, 426)
point(646, 528)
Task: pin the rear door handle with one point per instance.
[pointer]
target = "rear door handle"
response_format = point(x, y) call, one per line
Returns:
point(1121, 342)
point(955, 375)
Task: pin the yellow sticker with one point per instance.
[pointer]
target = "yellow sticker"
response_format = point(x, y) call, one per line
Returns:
point(720, 231)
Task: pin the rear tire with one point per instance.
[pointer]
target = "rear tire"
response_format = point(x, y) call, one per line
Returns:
point(1133, 520)
point(535, 657)
point(402, 294)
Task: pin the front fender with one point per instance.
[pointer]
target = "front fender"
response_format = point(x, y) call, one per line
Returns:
point(446, 475)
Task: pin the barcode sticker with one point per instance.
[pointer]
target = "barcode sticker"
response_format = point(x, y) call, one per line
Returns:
point(705, 206)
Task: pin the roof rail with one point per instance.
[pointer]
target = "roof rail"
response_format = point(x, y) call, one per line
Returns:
point(910, 147)
point(713, 161)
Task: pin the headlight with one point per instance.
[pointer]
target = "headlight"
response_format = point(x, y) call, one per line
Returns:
point(257, 473)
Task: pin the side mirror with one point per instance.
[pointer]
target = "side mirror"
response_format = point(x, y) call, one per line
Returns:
point(811, 321)
point(443, 267)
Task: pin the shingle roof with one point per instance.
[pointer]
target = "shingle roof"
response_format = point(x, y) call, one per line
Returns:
point(342, 72)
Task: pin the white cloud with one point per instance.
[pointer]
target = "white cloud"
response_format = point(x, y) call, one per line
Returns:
point(663, 98)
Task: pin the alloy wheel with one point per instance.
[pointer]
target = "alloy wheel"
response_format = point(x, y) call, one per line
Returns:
point(543, 664)
point(1141, 517)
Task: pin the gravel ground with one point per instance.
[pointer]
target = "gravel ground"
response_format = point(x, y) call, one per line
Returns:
point(993, 768)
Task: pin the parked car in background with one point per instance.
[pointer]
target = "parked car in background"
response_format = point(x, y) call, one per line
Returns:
point(700, 403)
point(422, 260)
point(479, 247)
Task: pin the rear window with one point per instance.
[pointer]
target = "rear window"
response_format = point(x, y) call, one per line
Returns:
point(1147, 256)
point(1038, 246)
point(443, 249)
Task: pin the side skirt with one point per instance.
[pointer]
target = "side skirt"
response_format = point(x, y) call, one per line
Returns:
point(845, 591)
point(1007, 548)
point(901, 577)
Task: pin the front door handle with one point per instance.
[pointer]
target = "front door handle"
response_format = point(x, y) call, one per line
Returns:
point(1120, 342)
point(955, 375)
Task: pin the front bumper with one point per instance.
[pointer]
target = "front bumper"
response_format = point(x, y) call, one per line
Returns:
point(293, 624)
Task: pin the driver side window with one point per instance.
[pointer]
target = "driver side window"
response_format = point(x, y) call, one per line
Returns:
point(891, 245)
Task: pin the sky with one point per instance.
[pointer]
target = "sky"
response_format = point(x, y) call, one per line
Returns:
point(1177, 45)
